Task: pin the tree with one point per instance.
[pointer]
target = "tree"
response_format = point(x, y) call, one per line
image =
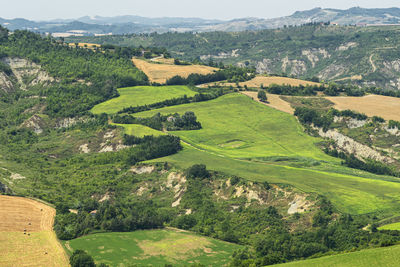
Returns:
point(198, 171)
point(262, 96)
point(81, 259)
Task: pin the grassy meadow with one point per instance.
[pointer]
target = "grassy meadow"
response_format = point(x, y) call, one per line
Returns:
point(244, 138)
point(141, 95)
point(382, 257)
point(138, 130)
point(236, 126)
point(392, 226)
point(350, 192)
point(155, 248)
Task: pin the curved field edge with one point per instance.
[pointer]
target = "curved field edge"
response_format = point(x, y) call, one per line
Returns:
point(349, 193)
point(382, 257)
point(26, 234)
point(264, 131)
point(141, 95)
point(392, 226)
point(154, 247)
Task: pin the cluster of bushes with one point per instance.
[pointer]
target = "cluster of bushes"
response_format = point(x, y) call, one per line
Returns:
point(368, 165)
point(262, 96)
point(173, 102)
point(172, 122)
point(81, 259)
point(118, 216)
point(394, 124)
point(232, 74)
point(324, 119)
point(300, 90)
point(151, 147)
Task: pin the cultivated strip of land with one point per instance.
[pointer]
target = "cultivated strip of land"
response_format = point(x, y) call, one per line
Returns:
point(26, 234)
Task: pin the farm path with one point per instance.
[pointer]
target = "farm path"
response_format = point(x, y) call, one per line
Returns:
point(372, 63)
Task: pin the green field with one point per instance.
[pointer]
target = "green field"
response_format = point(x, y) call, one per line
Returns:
point(349, 193)
point(392, 226)
point(154, 248)
point(138, 130)
point(379, 257)
point(236, 126)
point(244, 138)
point(141, 95)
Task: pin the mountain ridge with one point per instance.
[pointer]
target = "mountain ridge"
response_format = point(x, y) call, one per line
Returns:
point(128, 24)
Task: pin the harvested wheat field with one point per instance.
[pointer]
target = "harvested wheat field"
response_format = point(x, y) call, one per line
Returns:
point(274, 101)
point(88, 45)
point(372, 105)
point(26, 234)
point(267, 81)
point(160, 73)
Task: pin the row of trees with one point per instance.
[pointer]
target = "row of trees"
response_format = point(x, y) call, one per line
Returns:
point(171, 122)
point(173, 102)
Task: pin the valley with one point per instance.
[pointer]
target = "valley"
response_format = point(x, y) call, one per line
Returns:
point(155, 160)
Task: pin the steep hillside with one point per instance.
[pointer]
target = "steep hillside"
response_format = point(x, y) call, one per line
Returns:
point(364, 55)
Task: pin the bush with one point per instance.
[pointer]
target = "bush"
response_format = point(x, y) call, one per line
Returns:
point(262, 96)
point(81, 259)
point(198, 171)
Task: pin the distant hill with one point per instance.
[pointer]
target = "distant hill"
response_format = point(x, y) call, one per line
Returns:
point(94, 25)
point(368, 56)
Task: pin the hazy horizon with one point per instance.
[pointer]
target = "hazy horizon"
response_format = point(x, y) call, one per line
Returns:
point(207, 9)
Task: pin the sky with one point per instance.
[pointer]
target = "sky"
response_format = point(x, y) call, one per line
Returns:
point(210, 9)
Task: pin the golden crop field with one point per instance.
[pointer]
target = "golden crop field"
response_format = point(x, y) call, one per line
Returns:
point(372, 105)
point(267, 81)
point(160, 73)
point(88, 45)
point(26, 234)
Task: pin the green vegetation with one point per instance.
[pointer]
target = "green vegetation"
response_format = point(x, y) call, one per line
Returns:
point(155, 247)
point(385, 257)
point(141, 95)
point(350, 191)
point(392, 226)
point(264, 131)
point(342, 51)
point(138, 130)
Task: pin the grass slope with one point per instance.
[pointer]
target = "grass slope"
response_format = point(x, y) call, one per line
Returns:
point(154, 247)
point(141, 95)
point(139, 130)
point(392, 226)
point(236, 126)
point(382, 257)
point(350, 191)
